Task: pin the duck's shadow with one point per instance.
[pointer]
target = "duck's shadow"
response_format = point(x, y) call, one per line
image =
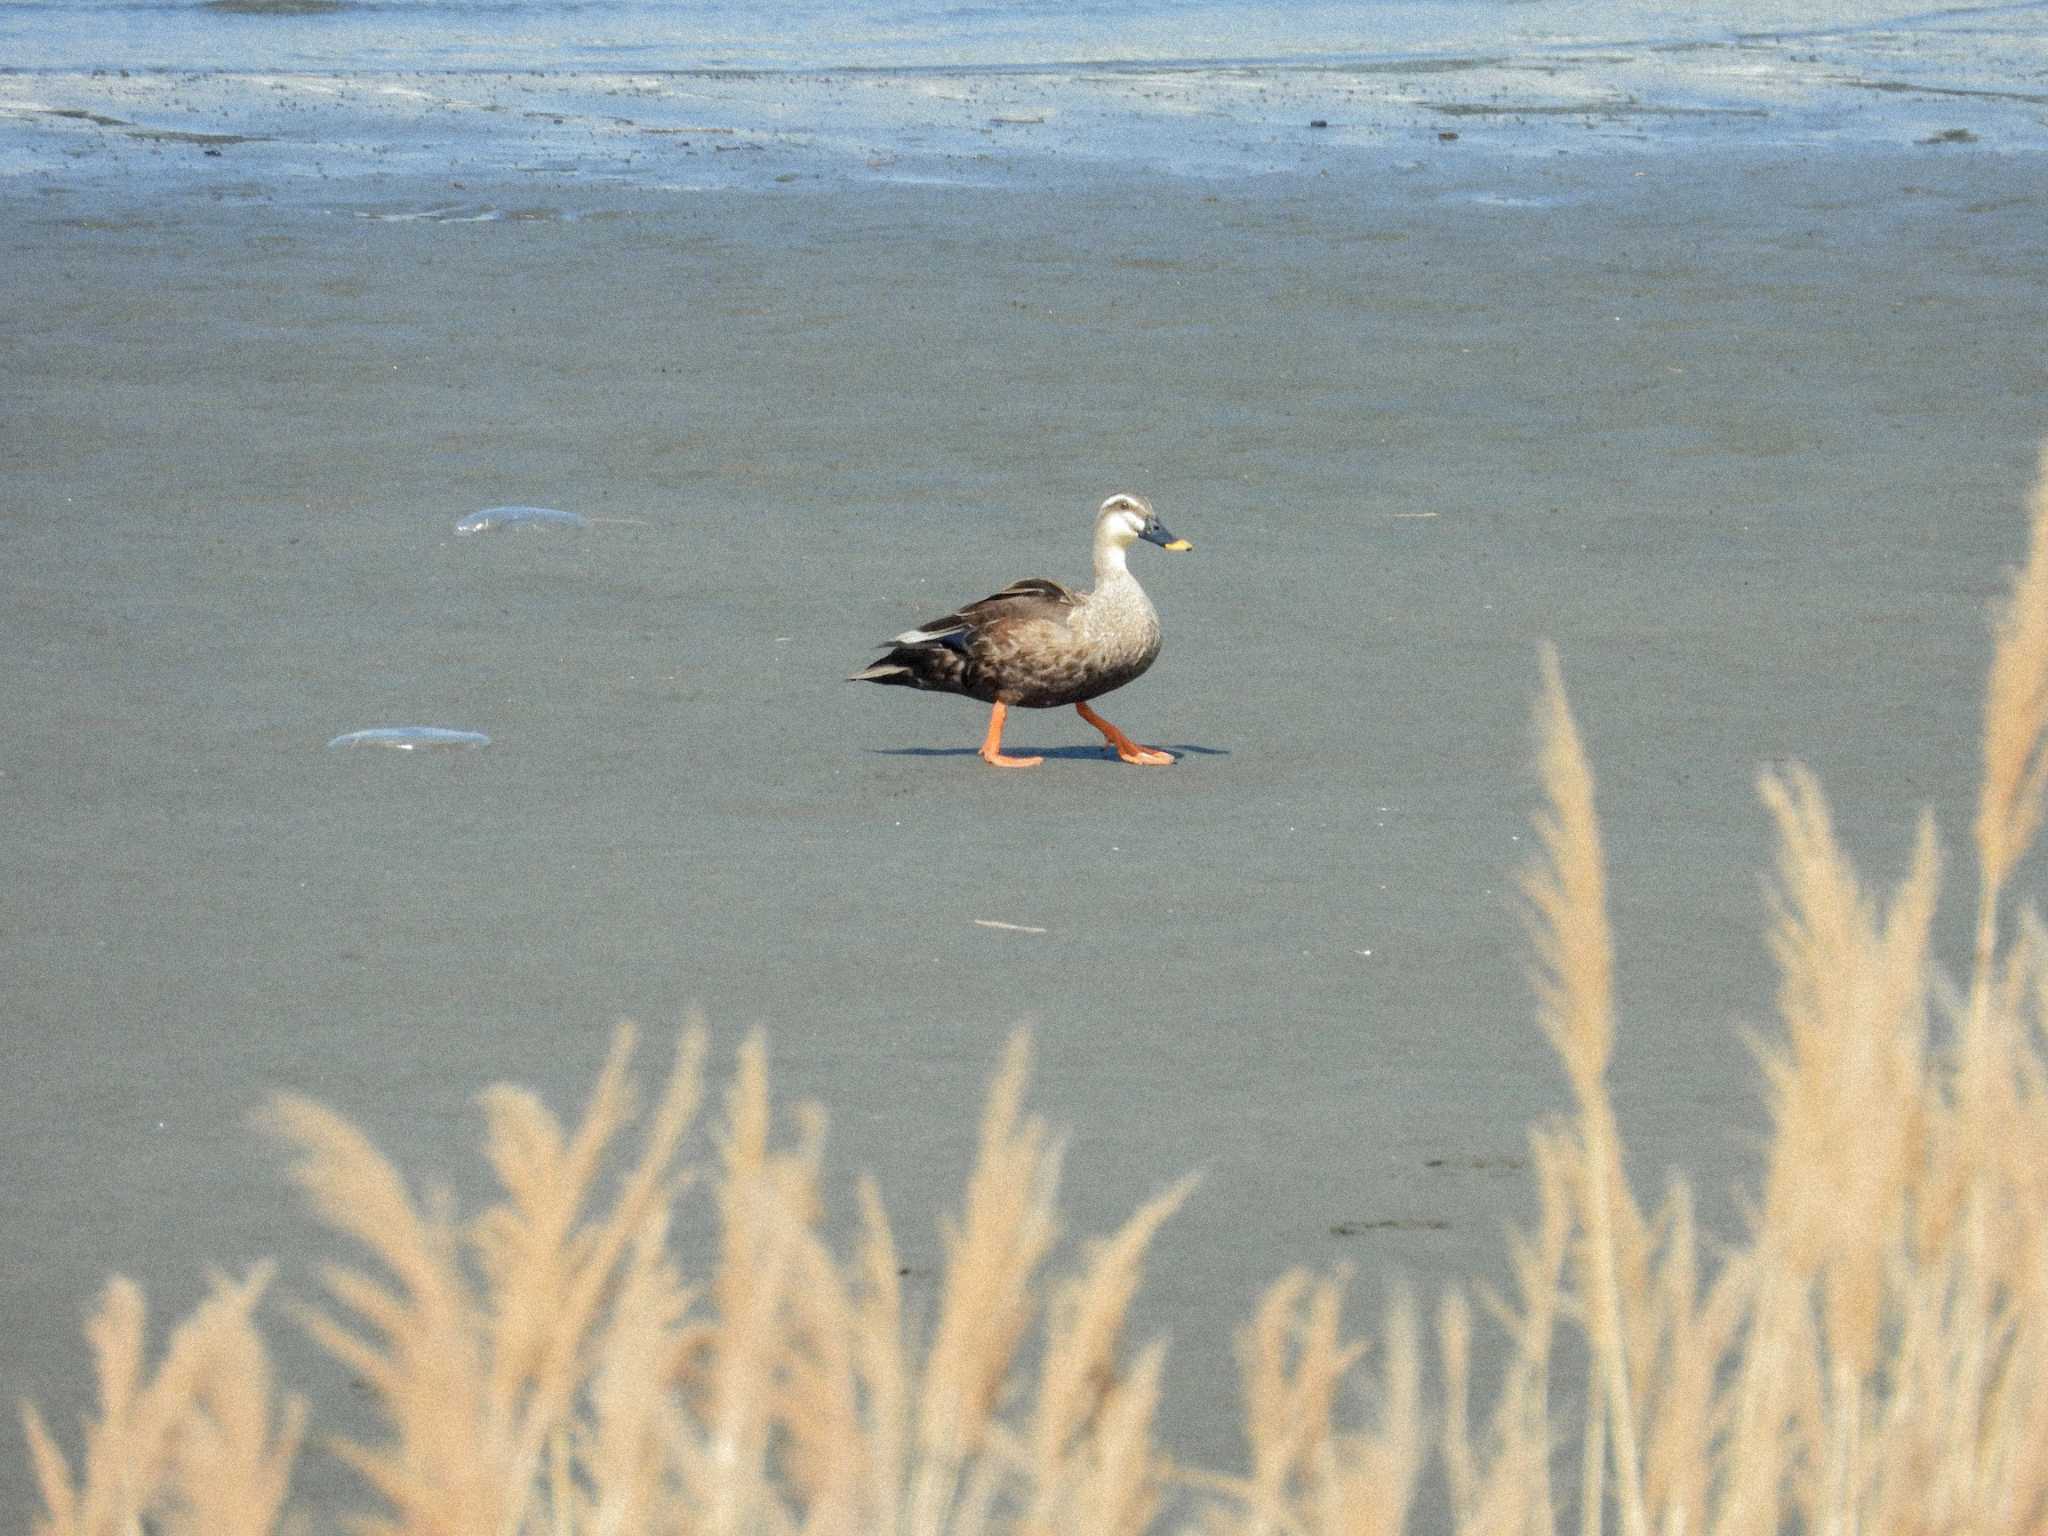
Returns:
point(1055, 754)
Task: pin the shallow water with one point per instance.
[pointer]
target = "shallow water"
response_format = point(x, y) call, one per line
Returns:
point(596, 36)
point(411, 738)
point(499, 519)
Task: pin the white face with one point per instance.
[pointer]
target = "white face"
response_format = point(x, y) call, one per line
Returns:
point(1125, 518)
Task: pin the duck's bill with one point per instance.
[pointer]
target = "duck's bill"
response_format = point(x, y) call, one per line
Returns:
point(1158, 535)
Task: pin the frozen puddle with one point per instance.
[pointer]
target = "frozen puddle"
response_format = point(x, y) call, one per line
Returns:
point(412, 738)
point(491, 519)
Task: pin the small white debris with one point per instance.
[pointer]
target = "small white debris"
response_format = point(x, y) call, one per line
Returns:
point(989, 922)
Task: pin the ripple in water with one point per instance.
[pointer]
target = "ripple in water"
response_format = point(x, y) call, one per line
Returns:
point(491, 519)
point(412, 738)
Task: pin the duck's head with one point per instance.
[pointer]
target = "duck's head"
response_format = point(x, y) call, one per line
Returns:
point(1124, 519)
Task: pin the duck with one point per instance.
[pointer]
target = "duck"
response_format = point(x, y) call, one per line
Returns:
point(1040, 645)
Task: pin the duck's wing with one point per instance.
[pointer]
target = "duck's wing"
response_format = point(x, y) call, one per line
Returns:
point(948, 653)
point(1035, 597)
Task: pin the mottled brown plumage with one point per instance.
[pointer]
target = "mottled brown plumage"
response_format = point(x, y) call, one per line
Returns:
point(1038, 645)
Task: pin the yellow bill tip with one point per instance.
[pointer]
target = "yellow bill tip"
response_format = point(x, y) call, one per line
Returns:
point(1179, 546)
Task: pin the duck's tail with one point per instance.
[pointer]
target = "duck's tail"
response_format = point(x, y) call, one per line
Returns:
point(936, 662)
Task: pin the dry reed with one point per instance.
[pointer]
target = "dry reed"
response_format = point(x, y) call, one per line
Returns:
point(1871, 1356)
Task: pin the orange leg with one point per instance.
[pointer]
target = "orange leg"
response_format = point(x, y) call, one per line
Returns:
point(992, 744)
point(1127, 749)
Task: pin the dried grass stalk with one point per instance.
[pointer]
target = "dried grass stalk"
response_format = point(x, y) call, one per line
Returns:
point(1567, 895)
point(197, 1445)
point(2015, 721)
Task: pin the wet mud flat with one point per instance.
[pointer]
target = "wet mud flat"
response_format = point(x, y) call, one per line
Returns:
point(1745, 436)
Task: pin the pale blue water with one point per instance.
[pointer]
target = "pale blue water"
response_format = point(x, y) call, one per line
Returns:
point(674, 94)
point(670, 34)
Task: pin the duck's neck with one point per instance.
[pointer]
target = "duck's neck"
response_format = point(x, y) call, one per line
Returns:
point(1109, 563)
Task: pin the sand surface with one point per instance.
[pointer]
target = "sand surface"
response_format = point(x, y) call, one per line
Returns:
point(1745, 436)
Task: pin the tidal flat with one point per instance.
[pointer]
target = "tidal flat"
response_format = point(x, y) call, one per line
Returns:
point(1746, 436)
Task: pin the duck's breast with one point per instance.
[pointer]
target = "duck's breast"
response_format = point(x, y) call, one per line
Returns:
point(1110, 639)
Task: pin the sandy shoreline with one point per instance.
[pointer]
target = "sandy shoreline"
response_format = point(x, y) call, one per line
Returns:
point(1746, 436)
